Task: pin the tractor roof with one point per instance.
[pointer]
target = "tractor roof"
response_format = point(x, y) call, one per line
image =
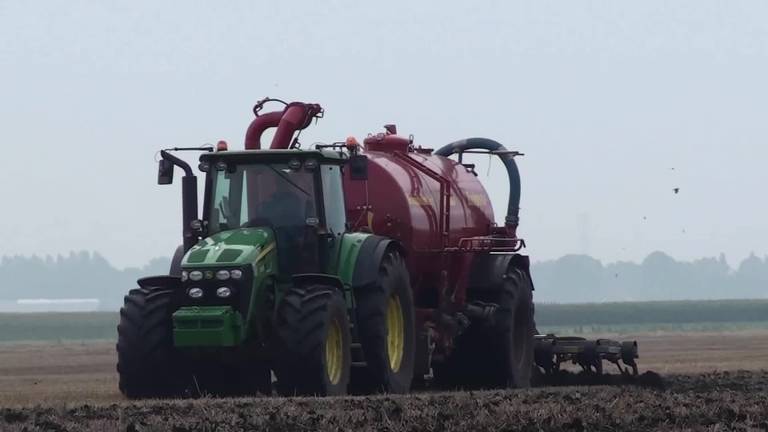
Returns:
point(328, 156)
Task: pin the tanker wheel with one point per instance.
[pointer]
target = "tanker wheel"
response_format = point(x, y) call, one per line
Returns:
point(147, 362)
point(497, 355)
point(314, 356)
point(514, 333)
point(386, 328)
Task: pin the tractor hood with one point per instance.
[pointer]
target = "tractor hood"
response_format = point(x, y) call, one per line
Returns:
point(237, 247)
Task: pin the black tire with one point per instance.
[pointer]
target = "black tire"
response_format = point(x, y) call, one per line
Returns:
point(305, 319)
point(147, 362)
point(382, 374)
point(515, 331)
point(498, 355)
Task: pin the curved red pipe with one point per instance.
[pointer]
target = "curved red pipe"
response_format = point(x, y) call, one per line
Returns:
point(293, 118)
point(258, 126)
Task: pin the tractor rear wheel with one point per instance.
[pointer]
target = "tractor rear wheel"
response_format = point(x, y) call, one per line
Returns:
point(147, 362)
point(313, 342)
point(386, 328)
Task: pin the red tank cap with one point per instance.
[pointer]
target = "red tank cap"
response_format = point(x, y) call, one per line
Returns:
point(387, 141)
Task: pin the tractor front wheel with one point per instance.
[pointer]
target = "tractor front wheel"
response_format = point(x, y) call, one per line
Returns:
point(147, 362)
point(313, 342)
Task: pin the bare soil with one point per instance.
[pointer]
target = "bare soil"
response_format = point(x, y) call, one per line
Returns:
point(710, 382)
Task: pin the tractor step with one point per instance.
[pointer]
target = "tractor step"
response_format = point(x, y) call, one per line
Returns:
point(552, 351)
point(358, 360)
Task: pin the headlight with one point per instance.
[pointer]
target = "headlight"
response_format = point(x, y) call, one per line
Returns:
point(196, 275)
point(236, 274)
point(195, 293)
point(224, 292)
point(184, 275)
point(222, 275)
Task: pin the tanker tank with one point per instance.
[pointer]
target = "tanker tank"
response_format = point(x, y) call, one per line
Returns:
point(427, 202)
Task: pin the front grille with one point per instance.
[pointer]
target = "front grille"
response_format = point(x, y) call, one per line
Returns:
point(239, 300)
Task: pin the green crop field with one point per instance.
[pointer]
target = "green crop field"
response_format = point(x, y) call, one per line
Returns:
point(685, 316)
point(718, 315)
point(723, 311)
point(73, 326)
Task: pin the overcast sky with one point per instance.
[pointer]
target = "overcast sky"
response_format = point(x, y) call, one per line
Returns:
point(603, 97)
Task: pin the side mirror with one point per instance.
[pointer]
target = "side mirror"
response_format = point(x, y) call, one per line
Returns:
point(358, 167)
point(164, 172)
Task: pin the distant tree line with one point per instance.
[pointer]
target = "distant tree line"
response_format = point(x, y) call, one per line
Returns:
point(580, 278)
point(570, 279)
point(77, 275)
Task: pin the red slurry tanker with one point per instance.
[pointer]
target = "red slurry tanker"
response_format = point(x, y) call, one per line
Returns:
point(377, 266)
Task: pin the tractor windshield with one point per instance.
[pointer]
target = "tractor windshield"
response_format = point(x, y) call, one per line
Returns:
point(262, 195)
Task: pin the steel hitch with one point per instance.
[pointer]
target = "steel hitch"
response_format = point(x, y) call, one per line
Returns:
point(553, 351)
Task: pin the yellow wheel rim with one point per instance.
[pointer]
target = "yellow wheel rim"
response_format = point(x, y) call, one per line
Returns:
point(334, 355)
point(395, 332)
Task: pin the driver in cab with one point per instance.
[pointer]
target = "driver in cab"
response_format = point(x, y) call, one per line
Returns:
point(285, 207)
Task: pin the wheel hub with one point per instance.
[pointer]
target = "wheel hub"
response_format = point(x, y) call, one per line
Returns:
point(395, 332)
point(334, 355)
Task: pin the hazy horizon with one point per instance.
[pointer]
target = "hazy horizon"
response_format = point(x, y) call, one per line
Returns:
point(731, 263)
point(613, 104)
point(568, 279)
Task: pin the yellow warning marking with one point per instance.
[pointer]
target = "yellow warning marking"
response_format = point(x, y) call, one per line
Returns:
point(264, 252)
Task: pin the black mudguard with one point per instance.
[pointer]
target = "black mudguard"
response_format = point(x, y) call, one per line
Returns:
point(369, 259)
point(171, 282)
point(488, 269)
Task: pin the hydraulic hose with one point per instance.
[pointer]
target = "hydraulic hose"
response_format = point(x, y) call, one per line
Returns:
point(507, 158)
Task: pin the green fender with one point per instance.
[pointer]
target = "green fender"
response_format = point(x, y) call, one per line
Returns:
point(358, 260)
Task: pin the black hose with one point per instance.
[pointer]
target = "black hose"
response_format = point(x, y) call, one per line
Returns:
point(508, 159)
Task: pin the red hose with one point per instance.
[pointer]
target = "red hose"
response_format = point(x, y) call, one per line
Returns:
point(258, 126)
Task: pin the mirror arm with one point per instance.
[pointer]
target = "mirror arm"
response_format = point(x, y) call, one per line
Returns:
point(188, 199)
point(178, 162)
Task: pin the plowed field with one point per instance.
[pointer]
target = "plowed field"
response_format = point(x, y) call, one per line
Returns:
point(711, 382)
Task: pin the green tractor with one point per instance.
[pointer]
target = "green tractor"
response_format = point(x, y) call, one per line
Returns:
point(270, 279)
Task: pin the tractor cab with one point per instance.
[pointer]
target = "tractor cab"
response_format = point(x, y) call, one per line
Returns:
point(294, 195)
